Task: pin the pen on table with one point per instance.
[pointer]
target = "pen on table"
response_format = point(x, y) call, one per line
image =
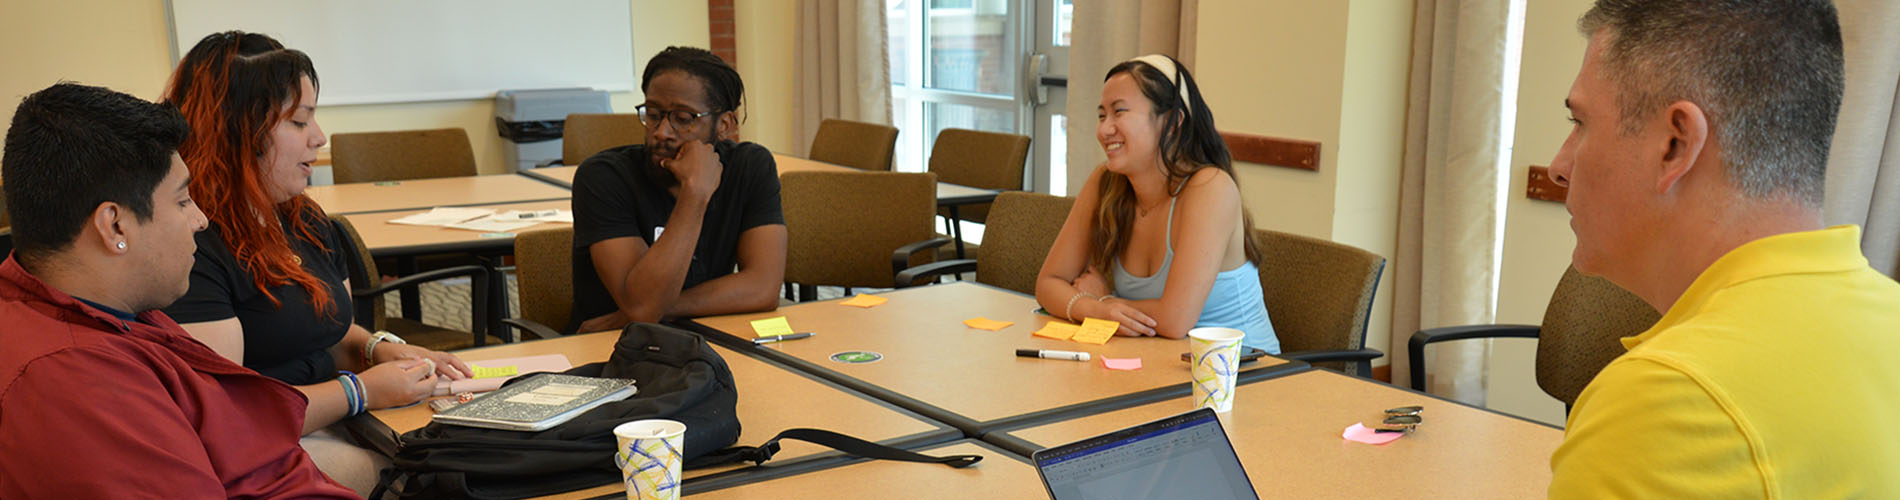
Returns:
point(1048, 354)
point(782, 338)
point(537, 215)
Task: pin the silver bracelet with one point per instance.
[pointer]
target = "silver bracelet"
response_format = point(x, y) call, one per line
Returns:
point(1068, 311)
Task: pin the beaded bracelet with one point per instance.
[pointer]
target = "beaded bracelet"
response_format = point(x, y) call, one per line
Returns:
point(1069, 310)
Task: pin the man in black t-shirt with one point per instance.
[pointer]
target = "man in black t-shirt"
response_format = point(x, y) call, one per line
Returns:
point(687, 224)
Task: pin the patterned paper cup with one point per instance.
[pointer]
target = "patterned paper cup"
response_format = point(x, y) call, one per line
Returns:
point(1216, 366)
point(649, 457)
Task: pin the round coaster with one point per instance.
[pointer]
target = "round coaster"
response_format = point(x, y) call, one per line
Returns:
point(856, 357)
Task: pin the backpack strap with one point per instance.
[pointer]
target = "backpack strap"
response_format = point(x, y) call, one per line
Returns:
point(847, 444)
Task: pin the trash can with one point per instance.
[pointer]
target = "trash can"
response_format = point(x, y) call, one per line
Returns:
point(531, 120)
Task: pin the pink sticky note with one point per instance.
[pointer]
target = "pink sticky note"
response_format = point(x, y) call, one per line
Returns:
point(1122, 363)
point(1361, 433)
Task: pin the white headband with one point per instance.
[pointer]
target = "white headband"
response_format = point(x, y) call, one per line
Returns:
point(1167, 67)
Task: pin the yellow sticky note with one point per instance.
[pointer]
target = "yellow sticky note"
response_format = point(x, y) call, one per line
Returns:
point(865, 301)
point(771, 326)
point(1056, 330)
point(497, 371)
point(987, 324)
point(1095, 331)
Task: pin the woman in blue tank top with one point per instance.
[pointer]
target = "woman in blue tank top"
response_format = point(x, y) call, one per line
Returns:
point(1161, 217)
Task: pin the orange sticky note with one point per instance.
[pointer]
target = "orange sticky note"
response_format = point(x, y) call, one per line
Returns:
point(987, 324)
point(772, 326)
point(865, 301)
point(1095, 331)
point(1056, 330)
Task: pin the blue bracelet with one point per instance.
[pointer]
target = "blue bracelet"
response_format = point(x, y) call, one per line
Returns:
point(352, 392)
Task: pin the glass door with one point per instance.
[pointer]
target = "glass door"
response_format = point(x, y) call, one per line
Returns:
point(954, 64)
point(1048, 89)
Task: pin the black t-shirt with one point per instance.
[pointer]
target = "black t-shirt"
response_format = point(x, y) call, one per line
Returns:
point(289, 343)
point(618, 194)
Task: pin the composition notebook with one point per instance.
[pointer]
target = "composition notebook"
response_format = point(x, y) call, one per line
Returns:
point(537, 402)
point(1183, 456)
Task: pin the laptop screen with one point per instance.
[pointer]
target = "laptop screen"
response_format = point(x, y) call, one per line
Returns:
point(1184, 456)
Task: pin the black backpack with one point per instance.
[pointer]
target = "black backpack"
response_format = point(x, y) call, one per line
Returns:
point(680, 377)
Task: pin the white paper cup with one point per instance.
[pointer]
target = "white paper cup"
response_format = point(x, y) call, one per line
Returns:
point(1216, 366)
point(649, 457)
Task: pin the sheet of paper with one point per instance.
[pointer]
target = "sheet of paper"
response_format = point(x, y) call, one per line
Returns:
point(865, 301)
point(1095, 331)
point(493, 225)
point(986, 323)
point(1360, 433)
point(444, 216)
point(1122, 363)
point(495, 371)
point(771, 326)
point(1056, 330)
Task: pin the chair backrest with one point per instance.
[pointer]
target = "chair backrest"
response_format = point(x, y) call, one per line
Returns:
point(544, 260)
point(363, 275)
point(1018, 238)
point(401, 155)
point(1318, 292)
point(859, 145)
point(844, 226)
point(587, 133)
point(979, 159)
point(1582, 326)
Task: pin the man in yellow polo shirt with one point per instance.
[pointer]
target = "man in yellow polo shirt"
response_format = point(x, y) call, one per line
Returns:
point(1695, 169)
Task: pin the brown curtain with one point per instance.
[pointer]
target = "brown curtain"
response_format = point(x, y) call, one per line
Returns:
point(1863, 171)
point(1446, 269)
point(843, 68)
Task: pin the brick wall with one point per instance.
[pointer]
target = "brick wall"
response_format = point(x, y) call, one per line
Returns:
point(720, 14)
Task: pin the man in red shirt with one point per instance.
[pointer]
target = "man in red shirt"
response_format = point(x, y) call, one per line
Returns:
point(102, 395)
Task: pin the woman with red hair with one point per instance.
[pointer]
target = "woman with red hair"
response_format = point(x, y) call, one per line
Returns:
point(270, 286)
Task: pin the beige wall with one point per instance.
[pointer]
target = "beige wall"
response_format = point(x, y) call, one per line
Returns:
point(1333, 72)
point(126, 46)
point(1537, 238)
point(767, 30)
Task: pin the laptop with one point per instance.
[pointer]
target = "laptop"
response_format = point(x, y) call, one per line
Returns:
point(1183, 456)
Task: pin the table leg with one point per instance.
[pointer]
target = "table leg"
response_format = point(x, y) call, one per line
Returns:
point(956, 230)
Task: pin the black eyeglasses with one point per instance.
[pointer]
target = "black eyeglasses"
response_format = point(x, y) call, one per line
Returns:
point(682, 119)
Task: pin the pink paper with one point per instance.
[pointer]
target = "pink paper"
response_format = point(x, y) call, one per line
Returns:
point(1122, 363)
point(1366, 435)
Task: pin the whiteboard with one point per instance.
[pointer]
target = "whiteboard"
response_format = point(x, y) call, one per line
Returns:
point(381, 51)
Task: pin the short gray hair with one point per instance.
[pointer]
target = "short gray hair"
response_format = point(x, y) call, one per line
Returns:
point(1767, 72)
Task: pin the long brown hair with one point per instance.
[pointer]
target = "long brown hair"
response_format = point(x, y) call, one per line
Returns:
point(1188, 142)
point(233, 88)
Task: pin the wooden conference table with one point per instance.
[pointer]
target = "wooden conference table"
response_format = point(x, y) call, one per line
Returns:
point(970, 378)
point(1001, 474)
point(365, 197)
point(772, 399)
point(387, 239)
point(1287, 433)
point(949, 195)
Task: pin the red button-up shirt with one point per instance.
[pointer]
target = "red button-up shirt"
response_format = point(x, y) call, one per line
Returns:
point(92, 406)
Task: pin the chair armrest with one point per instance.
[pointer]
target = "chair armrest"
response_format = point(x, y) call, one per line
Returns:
point(909, 277)
point(1329, 355)
point(1415, 348)
point(420, 278)
point(477, 300)
point(900, 258)
point(530, 326)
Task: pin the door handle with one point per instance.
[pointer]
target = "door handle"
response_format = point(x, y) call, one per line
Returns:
point(1039, 66)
